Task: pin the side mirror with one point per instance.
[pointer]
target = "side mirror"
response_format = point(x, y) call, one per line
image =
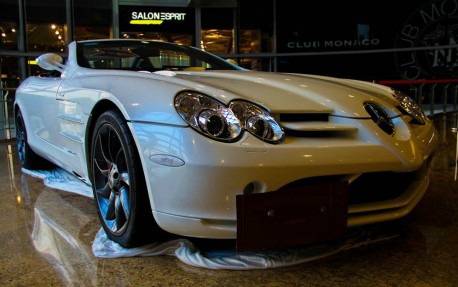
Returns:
point(51, 62)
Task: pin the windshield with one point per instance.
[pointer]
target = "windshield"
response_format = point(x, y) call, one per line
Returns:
point(146, 55)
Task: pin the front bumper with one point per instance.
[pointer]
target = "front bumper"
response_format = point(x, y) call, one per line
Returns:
point(198, 199)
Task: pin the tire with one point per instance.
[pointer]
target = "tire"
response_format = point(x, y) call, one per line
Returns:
point(28, 158)
point(119, 185)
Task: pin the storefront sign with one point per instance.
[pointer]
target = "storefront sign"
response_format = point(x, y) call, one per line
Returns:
point(159, 19)
point(346, 43)
point(155, 18)
point(434, 24)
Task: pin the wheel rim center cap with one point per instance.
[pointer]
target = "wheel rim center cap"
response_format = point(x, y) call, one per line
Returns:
point(113, 177)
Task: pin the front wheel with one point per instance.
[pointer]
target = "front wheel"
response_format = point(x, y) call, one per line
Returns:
point(118, 183)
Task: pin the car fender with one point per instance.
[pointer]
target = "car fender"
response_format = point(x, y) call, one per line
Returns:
point(138, 98)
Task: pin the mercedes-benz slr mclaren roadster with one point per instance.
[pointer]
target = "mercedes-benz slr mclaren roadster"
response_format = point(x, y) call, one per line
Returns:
point(176, 141)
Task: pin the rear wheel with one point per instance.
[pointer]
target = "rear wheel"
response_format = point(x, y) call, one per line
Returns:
point(119, 184)
point(27, 156)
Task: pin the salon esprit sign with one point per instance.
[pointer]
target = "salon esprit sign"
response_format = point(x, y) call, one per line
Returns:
point(155, 18)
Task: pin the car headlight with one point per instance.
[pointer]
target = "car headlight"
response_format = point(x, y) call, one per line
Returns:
point(257, 121)
point(410, 107)
point(226, 123)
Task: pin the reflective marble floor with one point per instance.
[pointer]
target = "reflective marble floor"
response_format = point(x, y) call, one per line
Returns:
point(425, 252)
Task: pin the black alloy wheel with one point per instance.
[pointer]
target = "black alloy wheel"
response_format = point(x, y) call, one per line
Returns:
point(27, 156)
point(118, 183)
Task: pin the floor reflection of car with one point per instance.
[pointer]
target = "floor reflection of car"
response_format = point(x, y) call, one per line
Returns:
point(59, 237)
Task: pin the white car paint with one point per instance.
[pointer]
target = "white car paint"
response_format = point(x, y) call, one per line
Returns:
point(197, 198)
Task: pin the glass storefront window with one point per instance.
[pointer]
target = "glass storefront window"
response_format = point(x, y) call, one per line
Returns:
point(9, 71)
point(9, 80)
point(46, 28)
point(9, 15)
point(92, 19)
point(256, 26)
point(256, 32)
point(217, 30)
point(8, 36)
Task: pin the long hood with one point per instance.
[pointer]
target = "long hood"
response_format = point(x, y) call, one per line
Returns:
point(281, 92)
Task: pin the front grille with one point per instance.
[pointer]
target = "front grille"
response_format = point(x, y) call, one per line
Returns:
point(319, 133)
point(379, 186)
point(367, 188)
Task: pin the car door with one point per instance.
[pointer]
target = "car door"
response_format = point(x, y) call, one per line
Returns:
point(39, 108)
point(71, 125)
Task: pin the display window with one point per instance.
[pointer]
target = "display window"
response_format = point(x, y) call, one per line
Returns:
point(217, 30)
point(9, 80)
point(92, 19)
point(9, 25)
point(256, 33)
point(46, 28)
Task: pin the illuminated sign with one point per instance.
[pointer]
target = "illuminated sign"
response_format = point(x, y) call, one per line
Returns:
point(333, 43)
point(155, 18)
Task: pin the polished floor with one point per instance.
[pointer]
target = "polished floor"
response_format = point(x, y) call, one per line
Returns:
point(58, 252)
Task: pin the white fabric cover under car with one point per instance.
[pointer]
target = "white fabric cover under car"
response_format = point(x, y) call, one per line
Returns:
point(187, 252)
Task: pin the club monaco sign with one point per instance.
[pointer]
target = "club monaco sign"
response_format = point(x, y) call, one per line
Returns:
point(433, 25)
point(347, 43)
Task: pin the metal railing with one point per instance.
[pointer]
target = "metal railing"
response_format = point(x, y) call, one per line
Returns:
point(7, 125)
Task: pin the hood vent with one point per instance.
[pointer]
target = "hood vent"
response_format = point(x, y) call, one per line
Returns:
point(320, 117)
point(313, 125)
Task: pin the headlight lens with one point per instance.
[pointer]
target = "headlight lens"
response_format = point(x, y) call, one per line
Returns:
point(217, 121)
point(410, 107)
point(257, 121)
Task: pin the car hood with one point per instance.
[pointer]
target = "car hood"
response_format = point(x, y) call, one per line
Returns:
point(282, 92)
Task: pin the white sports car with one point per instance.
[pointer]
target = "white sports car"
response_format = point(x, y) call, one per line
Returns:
point(175, 140)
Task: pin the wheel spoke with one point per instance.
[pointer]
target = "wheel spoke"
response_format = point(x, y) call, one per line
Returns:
point(21, 145)
point(125, 201)
point(100, 159)
point(101, 167)
point(113, 145)
point(104, 192)
point(120, 215)
point(124, 177)
point(104, 153)
point(110, 214)
point(120, 157)
point(20, 139)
